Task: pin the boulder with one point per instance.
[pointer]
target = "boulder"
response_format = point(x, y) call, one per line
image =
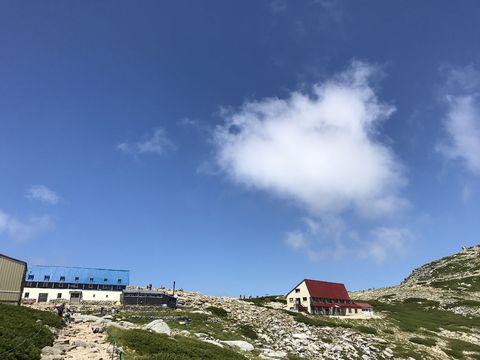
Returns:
point(239, 344)
point(158, 326)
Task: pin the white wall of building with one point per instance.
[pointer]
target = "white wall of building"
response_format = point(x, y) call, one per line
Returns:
point(87, 295)
point(299, 295)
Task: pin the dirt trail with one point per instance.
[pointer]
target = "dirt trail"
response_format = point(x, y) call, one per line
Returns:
point(77, 341)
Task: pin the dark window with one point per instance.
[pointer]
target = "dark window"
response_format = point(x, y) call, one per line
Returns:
point(106, 296)
point(91, 279)
point(119, 281)
point(62, 278)
point(59, 295)
point(105, 279)
point(46, 278)
point(77, 278)
point(30, 276)
point(304, 299)
point(27, 295)
point(93, 295)
point(297, 290)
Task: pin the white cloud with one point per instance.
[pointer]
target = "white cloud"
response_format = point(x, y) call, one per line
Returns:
point(157, 143)
point(43, 194)
point(332, 239)
point(296, 240)
point(462, 124)
point(320, 149)
point(23, 230)
point(386, 241)
point(461, 94)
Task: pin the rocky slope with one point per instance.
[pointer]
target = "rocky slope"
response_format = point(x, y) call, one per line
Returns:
point(433, 314)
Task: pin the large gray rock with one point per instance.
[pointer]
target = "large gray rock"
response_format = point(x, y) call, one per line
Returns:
point(158, 326)
point(239, 344)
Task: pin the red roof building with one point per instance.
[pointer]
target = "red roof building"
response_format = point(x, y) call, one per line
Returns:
point(324, 298)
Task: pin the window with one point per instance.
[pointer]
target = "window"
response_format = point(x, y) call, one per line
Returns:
point(291, 299)
point(27, 295)
point(119, 281)
point(62, 278)
point(356, 311)
point(106, 296)
point(105, 280)
point(91, 279)
point(93, 295)
point(304, 299)
point(30, 276)
point(59, 295)
point(77, 278)
point(46, 278)
point(297, 290)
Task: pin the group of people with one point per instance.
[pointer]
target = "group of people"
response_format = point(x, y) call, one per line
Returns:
point(64, 312)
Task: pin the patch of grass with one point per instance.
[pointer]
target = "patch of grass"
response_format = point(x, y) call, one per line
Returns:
point(343, 323)
point(457, 348)
point(412, 317)
point(423, 341)
point(420, 301)
point(217, 311)
point(472, 303)
point(143, 345)
point(19, 329)
point(247, 331)
point(366, 329)
point(471, 284)
point(263, 300)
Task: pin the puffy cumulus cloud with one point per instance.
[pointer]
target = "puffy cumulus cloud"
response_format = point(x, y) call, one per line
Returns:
point(461, 94)
point(320, 149)
point(23, 230)
point(43, 194)
point(156, 143)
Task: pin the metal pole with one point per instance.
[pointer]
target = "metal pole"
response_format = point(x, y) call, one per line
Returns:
point(173, 289)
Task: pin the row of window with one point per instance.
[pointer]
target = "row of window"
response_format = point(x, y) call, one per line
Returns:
point(51, 285)
point(62, 278)
point(59, 295)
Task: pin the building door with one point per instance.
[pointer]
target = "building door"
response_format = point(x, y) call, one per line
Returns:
point(75, 296)
point(42, 297)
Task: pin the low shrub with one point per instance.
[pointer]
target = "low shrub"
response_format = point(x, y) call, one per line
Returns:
point(247, 331)
point(217, 311)
point(141, 344)
point(21, 336)
point(423, 341)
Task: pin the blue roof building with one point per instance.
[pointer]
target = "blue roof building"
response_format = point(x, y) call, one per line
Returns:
point(76, 275)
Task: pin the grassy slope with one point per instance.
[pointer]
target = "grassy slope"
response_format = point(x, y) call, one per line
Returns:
point(19, 328)
point(143, 345)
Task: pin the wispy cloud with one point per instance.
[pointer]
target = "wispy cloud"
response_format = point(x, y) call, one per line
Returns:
point(156, 143)
point(462, 119)
point(331, 238)
point(24, 230)
point(43, 194)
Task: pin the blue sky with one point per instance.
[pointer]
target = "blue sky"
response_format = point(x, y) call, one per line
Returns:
point(239, 147)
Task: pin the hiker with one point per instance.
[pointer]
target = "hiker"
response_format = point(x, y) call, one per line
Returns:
point(60, 309)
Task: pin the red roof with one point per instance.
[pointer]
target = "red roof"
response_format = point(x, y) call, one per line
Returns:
point(364, 305)
point(326, 290)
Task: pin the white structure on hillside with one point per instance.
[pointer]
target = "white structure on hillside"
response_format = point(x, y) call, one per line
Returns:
point(325, 298)
point(74, 284)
